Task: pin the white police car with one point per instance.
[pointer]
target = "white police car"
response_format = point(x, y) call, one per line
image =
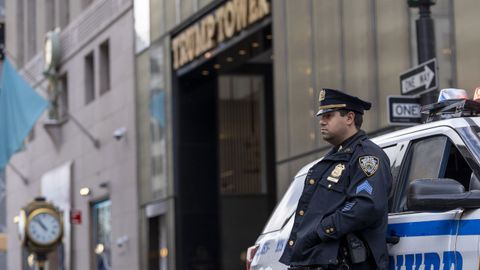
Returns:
point(434, 222)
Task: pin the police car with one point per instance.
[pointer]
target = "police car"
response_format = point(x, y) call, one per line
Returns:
point(434, 220)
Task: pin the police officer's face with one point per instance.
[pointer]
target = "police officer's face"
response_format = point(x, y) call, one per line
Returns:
point(334, 127)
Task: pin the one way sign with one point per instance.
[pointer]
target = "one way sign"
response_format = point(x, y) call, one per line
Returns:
point(420, 79)
point(404, 110)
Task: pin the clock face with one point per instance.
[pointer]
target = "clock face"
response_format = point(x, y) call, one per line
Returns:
point(44, 228)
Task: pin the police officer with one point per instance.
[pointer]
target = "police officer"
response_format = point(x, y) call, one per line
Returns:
point(341, 217)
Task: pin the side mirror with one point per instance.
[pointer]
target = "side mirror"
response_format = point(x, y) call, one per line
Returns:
point(441, 194)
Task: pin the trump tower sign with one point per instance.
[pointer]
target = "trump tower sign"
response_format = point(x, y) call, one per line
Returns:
point(218, 26)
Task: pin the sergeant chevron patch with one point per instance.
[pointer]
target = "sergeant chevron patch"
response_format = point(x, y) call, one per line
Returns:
point(365, 186)
point(369, 164)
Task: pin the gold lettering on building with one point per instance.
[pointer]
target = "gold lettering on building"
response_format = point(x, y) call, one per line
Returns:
point(242, 14)
point(218, 17)
point(229, 20)
point(216, 27)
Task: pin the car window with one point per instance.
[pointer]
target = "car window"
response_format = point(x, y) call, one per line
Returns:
point(392, 153)
point(287, 205)
point(433, 157)
point(424, 160)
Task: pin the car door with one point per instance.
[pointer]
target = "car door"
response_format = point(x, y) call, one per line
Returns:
point(426, 239)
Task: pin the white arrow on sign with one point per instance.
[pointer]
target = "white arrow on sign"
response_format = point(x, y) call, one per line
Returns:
point(424, 78)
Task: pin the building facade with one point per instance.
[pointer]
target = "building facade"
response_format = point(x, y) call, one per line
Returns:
point(81, 155)
point(184, 121)
point(226, 101)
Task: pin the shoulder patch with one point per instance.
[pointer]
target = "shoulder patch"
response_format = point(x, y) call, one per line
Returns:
point(369, 164)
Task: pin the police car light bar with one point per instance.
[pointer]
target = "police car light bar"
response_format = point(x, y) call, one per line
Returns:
point(451, 108)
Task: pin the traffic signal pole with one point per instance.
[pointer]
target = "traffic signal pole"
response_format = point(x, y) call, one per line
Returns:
point(425, 40)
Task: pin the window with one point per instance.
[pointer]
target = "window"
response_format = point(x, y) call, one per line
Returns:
point(101, 234)
point(63, 96)
point(392, 153)
point(424, 160)
point(104, 67)
point(434, 157)
point(49, 15)
point(157, 243)
point(89, 78)
point(31, 29)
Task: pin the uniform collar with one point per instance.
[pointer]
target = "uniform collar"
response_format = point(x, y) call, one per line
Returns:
point(348, 145)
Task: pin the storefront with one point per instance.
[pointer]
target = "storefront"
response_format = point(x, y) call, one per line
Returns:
point(224, 170)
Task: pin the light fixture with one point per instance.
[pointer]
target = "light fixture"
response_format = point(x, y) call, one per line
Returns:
point(207, 55)
point(217, 66)
point(31, 260)
point(229, 59)
point(163, 252)
point(242, 52)
point(269, 36)
point(205, 72)
point(255, 44)
point(85, 191)
point(99, 249)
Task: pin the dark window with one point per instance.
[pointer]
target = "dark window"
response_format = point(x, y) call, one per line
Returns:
point(104, 67)
point(424, 160)
point(63, 96)
point(89, 78)
point(457, 168)
point(434, 157)
point(49, 14)
point(392, 153)
point(101, 234)
point(157, 243)
point(31, 31)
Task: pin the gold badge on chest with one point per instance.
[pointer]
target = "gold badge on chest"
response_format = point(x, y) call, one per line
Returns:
point(336, 173)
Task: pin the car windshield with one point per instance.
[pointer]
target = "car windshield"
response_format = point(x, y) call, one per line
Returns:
point(286, 207)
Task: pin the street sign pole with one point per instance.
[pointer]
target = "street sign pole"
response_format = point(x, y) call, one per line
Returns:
point(425, 40)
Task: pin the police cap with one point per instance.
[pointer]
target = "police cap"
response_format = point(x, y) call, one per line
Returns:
point(332, 100)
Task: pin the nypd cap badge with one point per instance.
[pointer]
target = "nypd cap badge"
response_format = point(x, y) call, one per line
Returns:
point(369, 164)
point(321, 96)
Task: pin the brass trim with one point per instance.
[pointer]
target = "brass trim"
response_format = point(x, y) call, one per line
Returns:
point(332, 106)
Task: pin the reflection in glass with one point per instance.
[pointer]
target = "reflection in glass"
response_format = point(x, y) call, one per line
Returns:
point(102, 231)
point(142, 24)
point(157, 122)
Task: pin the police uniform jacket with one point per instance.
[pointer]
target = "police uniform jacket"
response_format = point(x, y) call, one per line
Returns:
point(347, 191)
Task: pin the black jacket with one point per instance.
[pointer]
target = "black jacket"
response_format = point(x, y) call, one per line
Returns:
point(347, 191)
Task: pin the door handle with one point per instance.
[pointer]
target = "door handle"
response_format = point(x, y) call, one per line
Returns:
point(393, 239)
